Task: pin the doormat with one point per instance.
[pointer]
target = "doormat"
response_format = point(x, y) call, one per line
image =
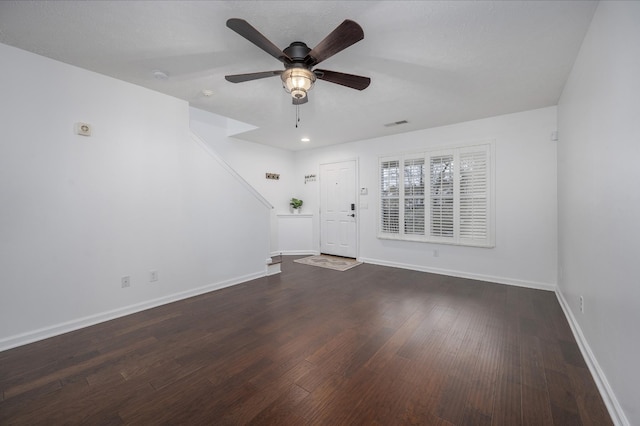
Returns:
point(331, 262)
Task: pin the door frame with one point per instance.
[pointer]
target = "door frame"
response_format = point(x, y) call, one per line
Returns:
point(356, 195)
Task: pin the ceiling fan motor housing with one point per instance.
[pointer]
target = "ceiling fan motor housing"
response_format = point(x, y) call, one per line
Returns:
point(297, 51)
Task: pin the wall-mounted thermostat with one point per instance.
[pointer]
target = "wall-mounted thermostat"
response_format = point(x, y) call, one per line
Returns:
point(83, 129)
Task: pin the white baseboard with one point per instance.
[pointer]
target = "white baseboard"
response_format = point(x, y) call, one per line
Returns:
point(460, 274)
point(613, 406)
point(299, 252)
point(65, 327)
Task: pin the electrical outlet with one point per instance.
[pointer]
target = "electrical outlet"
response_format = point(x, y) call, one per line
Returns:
point(125, 282)
point(153, 276)
point(582, 304)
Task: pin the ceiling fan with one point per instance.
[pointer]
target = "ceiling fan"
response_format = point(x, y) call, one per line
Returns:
point(298, 76)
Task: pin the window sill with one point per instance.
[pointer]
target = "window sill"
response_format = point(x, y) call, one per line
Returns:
point(428, 241)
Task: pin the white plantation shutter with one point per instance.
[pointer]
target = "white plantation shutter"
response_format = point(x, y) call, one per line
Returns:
point(390, 196)
point(440, 196)
point(474, 195)
point(414, 214)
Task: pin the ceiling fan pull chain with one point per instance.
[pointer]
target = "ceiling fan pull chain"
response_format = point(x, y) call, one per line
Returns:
point(297, 115)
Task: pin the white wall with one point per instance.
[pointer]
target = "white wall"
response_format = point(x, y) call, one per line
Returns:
point(78, 213)
point(526, 200)
point(252, 161)
point(599, 200)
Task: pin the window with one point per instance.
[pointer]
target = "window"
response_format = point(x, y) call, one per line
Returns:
point(440, 196)
point(414, 196)
point(390, 196)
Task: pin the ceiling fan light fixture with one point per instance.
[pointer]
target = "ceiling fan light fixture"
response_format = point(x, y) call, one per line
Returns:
point(298, 81)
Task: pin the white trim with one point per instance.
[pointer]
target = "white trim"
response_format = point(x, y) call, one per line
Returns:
point(461, 274)
point(609, 398)
point(65, 327)
point(299, 252)
point(274, 269)
point(230, 170)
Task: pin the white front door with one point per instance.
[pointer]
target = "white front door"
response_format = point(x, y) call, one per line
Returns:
point(338, 209)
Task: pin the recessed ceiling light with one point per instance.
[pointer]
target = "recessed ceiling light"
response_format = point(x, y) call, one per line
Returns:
point(207, 92)
point(160, 75)
point(305, 140)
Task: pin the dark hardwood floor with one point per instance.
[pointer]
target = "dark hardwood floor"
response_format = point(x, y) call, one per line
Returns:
point(372, 345)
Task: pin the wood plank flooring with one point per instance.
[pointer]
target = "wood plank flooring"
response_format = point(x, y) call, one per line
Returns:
point(372, 345)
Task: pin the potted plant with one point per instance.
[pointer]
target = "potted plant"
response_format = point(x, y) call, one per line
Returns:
point(296, 205)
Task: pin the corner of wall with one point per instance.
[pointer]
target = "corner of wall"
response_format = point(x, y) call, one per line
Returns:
point(609, 398)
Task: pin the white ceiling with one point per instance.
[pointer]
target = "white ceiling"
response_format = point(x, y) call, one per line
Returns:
point(432, 63)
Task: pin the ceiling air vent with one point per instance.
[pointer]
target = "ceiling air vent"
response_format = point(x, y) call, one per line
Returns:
point(396, 123)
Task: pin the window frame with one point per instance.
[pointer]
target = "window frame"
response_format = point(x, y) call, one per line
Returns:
point(475, 227)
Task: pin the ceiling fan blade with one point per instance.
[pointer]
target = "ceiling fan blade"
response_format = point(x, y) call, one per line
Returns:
point(245, 29)
point(349, 80)
point(239, 78)
point(346, 34)
point(297, 101)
